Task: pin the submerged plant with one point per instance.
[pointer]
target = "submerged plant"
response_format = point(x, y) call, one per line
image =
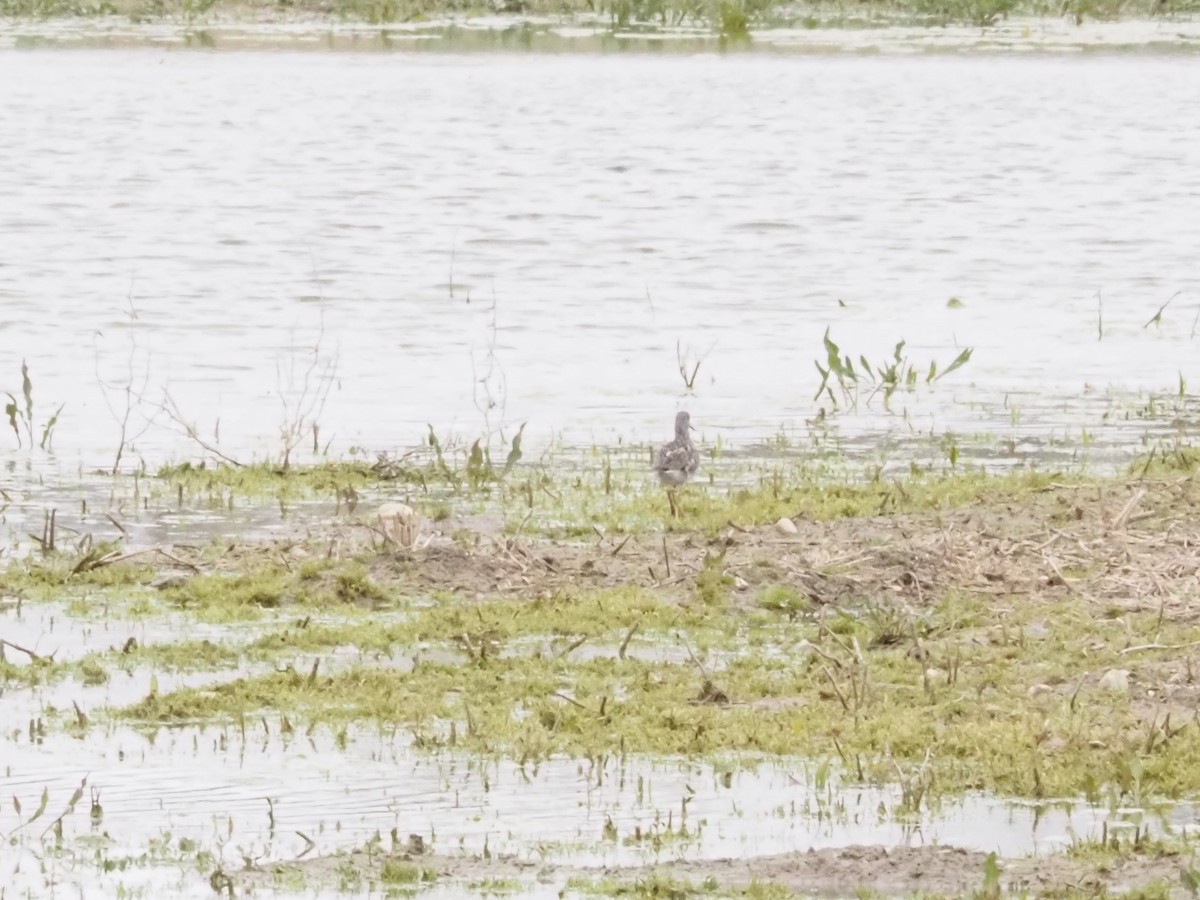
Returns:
point(886, 377)
point(21, 417)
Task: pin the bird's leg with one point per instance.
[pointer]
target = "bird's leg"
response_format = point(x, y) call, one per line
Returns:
point(674, 505)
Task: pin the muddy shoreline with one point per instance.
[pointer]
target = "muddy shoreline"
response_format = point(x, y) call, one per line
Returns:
point(834, 873)
point(828, 33)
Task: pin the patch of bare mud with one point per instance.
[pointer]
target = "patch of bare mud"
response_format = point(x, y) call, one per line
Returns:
point(842, 872)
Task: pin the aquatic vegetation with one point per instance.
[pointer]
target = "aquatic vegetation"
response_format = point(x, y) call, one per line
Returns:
point(653, 885)
point(21, 415)
point(437, 469)
point(271, 480)
point(689, 367)
point(396, 873)
point(847, 687)
point(885, 377)
point(928, 636)
point(786, 600)
point(57, 573)
point(977, 12)
point(660, 884)
point(734, 21)
point(809, 497)
point(495, 887)
point(38, 670)
point(242, 595)
point(176, 656)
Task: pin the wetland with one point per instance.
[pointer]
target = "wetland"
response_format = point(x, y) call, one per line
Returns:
point(923, 626)
point(799, 686)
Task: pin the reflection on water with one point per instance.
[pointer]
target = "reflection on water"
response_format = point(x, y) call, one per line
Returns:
point(530, 237)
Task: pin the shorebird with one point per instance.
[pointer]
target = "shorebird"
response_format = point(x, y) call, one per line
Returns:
point(677, 461)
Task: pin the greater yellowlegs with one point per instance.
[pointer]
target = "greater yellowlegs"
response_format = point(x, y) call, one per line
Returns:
point(677, 461)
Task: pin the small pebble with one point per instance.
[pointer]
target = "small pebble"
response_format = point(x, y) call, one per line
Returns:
point(1037, 630)
point(1115, 680)
point(786, 526)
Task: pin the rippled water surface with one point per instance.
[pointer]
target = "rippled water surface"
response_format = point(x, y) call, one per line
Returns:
point(209, 211)
point(254, 795)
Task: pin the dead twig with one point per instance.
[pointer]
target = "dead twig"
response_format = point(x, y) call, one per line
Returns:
point(628, 637)
point(691, 655)
point(309, 844)
point(1128, 509)
point(574, 645)
point(1058, 573)
point(1156, 319)
point(1140, 647)
point(34, 657)
point(561, 696)
point(171, 408)
point(809, 645)
point(837, 690)
point(837, 640)
point(683, 359)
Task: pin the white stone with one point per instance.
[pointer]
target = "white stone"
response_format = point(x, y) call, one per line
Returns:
point(786, 526)
point(1115, 680)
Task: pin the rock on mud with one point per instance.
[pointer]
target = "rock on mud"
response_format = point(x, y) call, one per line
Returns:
point(1116, 680)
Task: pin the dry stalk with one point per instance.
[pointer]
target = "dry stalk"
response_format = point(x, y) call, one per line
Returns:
point(837, 690)
point(1142, 647)
point(699, 665)
point(171, 408)
point(628, 637)
point(1128, 509)
point(561, 696)
point(33, 657)
point(574, 645)
point(133, 398)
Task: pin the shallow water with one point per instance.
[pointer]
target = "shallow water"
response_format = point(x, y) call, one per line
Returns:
point(212, 785)
point(596, 210)
point(252, 789)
